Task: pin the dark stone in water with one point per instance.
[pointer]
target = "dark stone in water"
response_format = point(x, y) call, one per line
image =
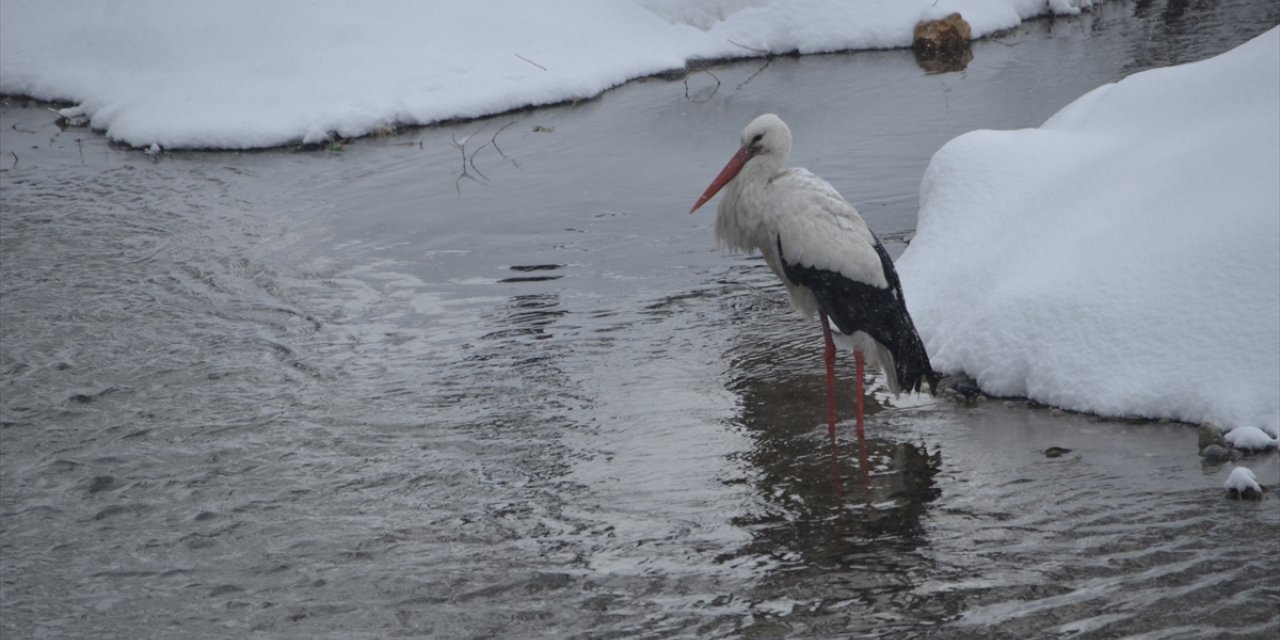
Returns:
point(1056, 452)
point(1216, 453)
point(1248, 493)
point(102, 483)
point(1210, 435)
point(960, 387)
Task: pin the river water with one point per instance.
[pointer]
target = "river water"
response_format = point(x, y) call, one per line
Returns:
point(359, 393)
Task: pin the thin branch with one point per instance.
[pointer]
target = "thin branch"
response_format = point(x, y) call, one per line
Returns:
point(472, 160)
point(457, 184)
point(15, 159)
point(767, 61)
point(462, 150)
point(494, 141)
point(529, 61)
point(713, 91)
point(752, 49)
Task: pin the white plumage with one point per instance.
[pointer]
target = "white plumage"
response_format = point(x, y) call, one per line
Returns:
point(821, 249)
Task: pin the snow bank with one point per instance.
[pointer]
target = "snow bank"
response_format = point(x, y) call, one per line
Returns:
point(243, 74)
point(1122, 259)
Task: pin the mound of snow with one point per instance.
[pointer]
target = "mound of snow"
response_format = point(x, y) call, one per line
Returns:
point(239, 74)
point(1250, 438)
point(1242, 483)
point(1122, 259)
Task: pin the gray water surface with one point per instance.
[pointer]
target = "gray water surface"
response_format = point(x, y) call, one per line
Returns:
point(358, 394)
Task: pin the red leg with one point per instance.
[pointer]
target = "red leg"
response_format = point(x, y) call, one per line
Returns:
point(863, 462)
point(829, 355)
point(860, 370)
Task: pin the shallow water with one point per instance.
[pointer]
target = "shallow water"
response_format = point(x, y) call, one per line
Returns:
point(359, 394)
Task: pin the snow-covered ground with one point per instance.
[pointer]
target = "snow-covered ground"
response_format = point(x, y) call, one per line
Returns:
point(1123, 258)
point(238, 74)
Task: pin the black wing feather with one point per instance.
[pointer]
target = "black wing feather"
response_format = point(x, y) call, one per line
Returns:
point(880, 312)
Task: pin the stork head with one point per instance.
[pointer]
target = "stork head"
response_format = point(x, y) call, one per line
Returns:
point(766, 137)
point(767, 134)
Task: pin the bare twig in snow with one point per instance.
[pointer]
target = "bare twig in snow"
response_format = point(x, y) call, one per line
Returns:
point(529, 61)
point(751, 49)
point(15, 159)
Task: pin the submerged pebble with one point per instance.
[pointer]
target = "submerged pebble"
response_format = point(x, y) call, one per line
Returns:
point(961, 388)
point(1216, 453)
point(1209, 434)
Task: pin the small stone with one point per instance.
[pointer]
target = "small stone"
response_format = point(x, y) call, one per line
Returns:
point(1216, 453)
point(102, 483)
point(1210, 434)
point(1056, 452)
point(961, 388)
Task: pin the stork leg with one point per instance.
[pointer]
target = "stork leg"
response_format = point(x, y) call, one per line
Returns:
point(860, 366)
point(829, 356)
point(863, 462)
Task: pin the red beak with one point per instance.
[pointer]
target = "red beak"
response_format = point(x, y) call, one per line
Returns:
point(729, 172)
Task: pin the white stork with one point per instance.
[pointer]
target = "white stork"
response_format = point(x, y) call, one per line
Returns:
point(828, 258)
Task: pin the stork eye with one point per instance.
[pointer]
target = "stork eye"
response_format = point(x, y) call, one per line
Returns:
point(758, 137)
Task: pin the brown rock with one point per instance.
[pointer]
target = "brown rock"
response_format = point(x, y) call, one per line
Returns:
point(942, 45)
point(948, 35)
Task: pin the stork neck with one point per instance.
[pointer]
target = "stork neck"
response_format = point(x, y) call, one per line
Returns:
point(742, 207)
point(755, 175)
point(761, 169)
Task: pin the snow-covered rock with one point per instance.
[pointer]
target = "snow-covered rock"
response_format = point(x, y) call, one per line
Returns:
point(1251, 439)
point(1243, 484)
